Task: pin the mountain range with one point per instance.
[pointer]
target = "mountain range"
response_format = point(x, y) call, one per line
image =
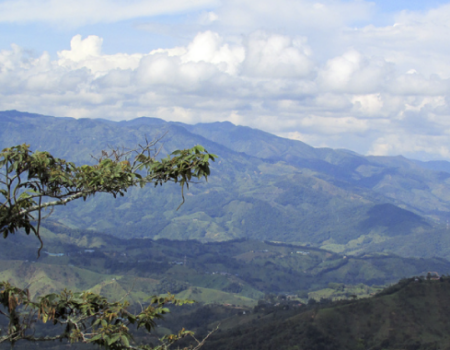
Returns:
point(262, 187)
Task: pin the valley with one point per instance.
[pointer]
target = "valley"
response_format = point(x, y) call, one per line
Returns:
point(283, 236)
point(262, 187)
point(238, 272)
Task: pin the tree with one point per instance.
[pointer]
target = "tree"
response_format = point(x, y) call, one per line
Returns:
point(31, 182)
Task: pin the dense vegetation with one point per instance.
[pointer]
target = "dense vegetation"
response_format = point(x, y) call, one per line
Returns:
point(351, 224)
point(263, 187)
point(273, 280)
point(413, 314)
point(235, 272)
point(32, 182)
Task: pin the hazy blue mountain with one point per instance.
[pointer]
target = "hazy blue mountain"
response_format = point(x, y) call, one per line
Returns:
point(437, 165)
point(262, 187)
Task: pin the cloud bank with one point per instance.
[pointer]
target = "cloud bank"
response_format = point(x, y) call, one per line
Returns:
point(375, 90)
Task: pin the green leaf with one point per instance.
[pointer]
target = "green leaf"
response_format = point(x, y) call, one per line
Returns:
point(96, 337)
point(124, 341)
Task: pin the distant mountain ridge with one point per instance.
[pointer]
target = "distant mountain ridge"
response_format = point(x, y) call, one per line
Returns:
point(262, 187)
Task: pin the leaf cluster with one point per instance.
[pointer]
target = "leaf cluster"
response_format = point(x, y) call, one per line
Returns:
point(86, 317)
point(33, 181)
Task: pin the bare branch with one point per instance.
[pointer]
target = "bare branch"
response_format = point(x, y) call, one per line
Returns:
point(202, 342)
point(49, 204)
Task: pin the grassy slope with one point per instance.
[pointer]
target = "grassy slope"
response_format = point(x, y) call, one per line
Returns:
point(233, 272)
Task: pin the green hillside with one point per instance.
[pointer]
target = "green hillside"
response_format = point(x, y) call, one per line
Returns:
point(413, 314)
point(236, 272)
point(262, 187)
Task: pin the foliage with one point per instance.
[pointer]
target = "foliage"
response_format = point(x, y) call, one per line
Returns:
point(32, 181)
point(81, 260)
point(86, 317)
point(410, 315)
point(318, 196)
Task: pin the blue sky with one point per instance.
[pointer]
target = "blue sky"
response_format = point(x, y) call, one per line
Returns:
point(410, 5)
point(126, 36)
point(372, 77)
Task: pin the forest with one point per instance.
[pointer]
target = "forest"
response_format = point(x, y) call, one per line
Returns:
point(275, 250)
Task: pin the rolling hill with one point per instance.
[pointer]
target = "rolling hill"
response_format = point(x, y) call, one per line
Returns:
point(237, 272)
point(413, 314)
point(262, 187)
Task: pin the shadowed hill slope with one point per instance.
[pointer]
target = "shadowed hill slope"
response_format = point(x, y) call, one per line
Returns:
point(409, 315)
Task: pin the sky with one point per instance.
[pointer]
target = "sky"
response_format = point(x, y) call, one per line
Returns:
point(369, 76)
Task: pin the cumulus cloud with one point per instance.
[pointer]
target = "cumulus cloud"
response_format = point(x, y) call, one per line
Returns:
point(378, 90)
point(354, 73)
point(209, 47)
point(414, 41)
point(87, 54)
point(276, 56)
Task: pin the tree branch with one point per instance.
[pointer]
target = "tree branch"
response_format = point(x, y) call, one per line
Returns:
point(48, 204)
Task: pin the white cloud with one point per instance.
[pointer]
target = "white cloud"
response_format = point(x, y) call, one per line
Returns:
point(354, 73)
point(207, 18)
point(369, 105)
point(87, 54)
point(417, 84)
point(248, 15)
point(324, 125)
point(276, 56)
point(406, 145)
point(306, 74)
point(417, 41)
point(209, 47)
